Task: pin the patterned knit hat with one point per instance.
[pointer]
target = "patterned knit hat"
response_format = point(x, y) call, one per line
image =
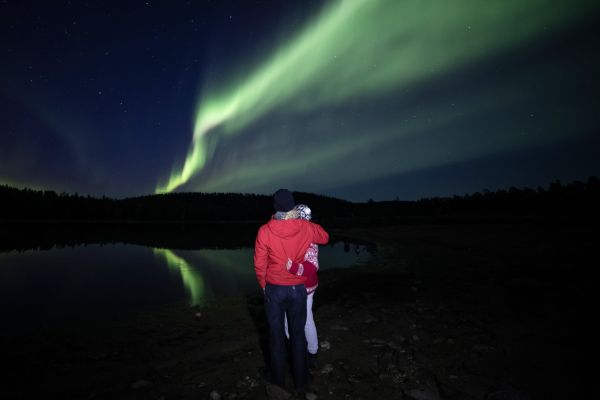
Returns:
point(304, 212)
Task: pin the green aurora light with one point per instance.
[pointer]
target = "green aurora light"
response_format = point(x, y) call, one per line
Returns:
point(192, 280)
point(363, 48)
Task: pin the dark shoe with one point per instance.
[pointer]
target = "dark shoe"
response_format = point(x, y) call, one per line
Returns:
point(304, 395)
point(312, 361)
point(275, 392)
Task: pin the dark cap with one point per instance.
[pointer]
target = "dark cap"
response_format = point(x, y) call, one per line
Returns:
point(283, 200)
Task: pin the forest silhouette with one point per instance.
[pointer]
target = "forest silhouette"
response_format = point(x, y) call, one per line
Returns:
point(576, 199)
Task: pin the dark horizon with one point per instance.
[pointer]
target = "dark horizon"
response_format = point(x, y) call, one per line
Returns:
point(592, 179)
point(571, 201)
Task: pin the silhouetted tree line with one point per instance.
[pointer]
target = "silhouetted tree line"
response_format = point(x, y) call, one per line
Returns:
point(573, 199)
point(47, 205)
point(576, 198)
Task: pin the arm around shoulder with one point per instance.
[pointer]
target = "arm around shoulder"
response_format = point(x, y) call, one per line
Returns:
point(320, 236)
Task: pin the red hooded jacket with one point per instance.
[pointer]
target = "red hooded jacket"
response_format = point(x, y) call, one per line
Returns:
point(278, 240)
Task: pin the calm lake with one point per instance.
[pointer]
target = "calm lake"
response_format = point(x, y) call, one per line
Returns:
point(105, 281)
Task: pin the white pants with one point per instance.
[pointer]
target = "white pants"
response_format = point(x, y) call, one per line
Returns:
point(310, 329)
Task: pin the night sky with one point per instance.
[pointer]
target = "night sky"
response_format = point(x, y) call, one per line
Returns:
point(356, 99)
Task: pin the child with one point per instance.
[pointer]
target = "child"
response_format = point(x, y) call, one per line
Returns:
point(308, 268)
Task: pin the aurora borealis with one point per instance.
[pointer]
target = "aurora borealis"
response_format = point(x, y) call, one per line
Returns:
point(192, 279)
point(356, 99)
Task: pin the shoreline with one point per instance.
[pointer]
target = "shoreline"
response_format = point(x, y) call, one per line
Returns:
point(439, 312)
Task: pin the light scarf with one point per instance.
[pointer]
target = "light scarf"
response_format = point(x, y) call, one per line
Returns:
point(292, 214)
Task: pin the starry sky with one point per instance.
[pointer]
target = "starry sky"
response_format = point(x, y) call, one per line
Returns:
point(355, 99)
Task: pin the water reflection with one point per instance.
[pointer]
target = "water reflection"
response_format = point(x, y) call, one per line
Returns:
point(96, 282)
point(211, 274)
point(192, 279)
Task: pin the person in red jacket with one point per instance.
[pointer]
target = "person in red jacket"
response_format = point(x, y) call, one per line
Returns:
point(285, 236)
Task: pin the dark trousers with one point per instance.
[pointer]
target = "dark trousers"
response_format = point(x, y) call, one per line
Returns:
point(279, 301)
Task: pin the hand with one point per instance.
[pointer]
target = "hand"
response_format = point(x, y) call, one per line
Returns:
point(288, 265)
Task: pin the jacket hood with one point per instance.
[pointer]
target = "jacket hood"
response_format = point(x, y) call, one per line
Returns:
point(285, 228)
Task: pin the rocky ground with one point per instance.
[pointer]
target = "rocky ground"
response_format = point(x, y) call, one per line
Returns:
point(440, 312)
